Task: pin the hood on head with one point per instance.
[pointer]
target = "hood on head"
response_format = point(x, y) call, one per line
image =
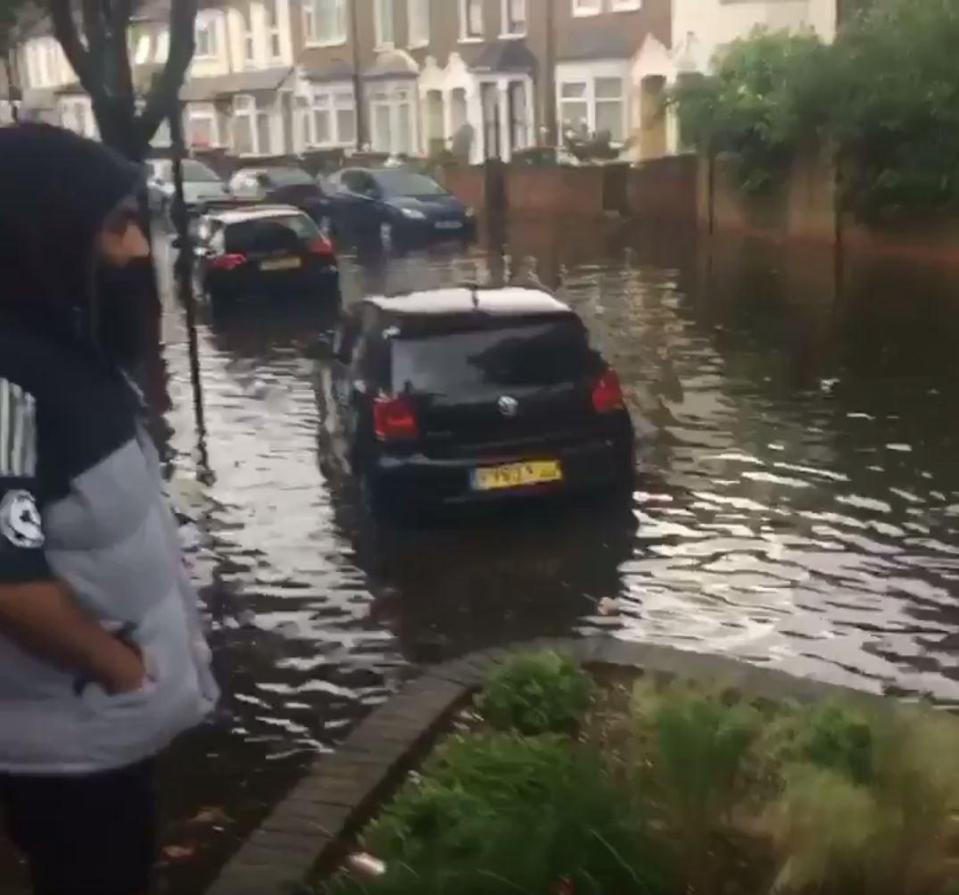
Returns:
point(56, 189)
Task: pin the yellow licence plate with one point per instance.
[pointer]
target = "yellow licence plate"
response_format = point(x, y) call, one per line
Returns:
point(281, 264)
point(516, 475)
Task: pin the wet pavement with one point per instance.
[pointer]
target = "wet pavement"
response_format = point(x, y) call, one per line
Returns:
point(797, 506)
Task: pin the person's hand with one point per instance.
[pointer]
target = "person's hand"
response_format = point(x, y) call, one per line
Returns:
point(123, 672)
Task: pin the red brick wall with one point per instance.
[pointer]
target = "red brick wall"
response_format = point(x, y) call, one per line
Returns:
point(663, 190)
point(465, 183)
point(531, 190)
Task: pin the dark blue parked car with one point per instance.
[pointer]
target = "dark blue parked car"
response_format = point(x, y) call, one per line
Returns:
point(395, 207)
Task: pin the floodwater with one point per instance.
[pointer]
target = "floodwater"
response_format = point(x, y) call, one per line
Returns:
point(797, 504)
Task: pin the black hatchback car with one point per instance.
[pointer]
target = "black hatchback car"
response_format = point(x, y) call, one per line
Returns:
point(396, 207)
point(464, 395)
point(265, 251)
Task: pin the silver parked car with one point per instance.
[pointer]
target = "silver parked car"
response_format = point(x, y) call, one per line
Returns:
point(201, 185)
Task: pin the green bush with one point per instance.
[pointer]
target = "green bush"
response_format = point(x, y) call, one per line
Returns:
point(884, 97)
point(871, 804)
point(537, 693)
point(768, 97)
point(695, 746)
point(497, 814)
point(896, 110)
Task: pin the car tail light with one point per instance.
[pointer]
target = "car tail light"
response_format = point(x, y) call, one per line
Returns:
point(394, 419)
point(608, 393)
point(323, 247)
point(228, 262)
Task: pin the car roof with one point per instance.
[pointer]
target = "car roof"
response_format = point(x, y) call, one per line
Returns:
point(431, 304)
point(245, 213)
point(263, 169)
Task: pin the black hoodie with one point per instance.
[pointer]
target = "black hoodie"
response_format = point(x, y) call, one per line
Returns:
point(63, 407)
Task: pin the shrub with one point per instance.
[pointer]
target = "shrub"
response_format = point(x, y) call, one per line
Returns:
point(497, 813)
point(769, 96)
point(884, 95)
point(537, 693)
point(872, 806)
point(695, 745)
point(896, 113)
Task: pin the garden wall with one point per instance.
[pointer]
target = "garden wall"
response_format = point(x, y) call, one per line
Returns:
point(658, 191)
point(803, 209)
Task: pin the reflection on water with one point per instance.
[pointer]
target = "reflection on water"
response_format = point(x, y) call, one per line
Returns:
point(798, 502)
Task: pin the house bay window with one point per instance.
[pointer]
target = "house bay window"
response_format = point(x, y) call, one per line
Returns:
point(201, 127)
point(251, 127)
point(594, 105)
point(574, 108)
point(610, 108)
point(334, 117)
point(392, 119)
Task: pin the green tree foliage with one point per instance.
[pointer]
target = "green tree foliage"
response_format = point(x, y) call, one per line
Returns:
point(537, 693)
point(10, 13)
point(762, 105)
point(896, 109)
point(884, 96)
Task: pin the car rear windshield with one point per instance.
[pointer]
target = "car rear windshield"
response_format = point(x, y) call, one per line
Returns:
point(197, 172)
point(407, 183)
point(289, 177)
point(264, 234)
point(532, 354)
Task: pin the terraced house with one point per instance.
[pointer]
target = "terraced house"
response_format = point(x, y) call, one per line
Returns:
point(480, 78)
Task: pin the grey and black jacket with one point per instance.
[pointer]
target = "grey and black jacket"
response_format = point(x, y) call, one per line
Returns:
point(81, 501)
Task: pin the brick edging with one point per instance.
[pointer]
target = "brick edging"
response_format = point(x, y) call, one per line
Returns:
point(343, 790)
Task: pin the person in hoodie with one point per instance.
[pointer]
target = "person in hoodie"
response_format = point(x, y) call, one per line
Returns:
point(102, 657)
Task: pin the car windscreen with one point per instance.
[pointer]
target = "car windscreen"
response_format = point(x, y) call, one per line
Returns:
point(197, 172)
point(534, 355)
point(407, 183)
point(289, 177)
point(267, 234)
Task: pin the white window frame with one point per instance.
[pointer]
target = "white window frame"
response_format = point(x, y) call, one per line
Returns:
point(204, 25)
point(465, 36)
point(583, 8)
point(331, 98)
point(384, 13)
point(246, 106)
point(247, 36)
point(204, 113)
point(588, 76)
point(392, 95)
point(336, 36)
point(506, 34)
point(418, 22)
point(627, 5)
point(274, 37)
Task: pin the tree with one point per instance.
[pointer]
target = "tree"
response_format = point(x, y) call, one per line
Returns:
point(10, 11)
point(100, 58)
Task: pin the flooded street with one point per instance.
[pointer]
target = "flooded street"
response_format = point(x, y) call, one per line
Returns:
point(797, 506)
